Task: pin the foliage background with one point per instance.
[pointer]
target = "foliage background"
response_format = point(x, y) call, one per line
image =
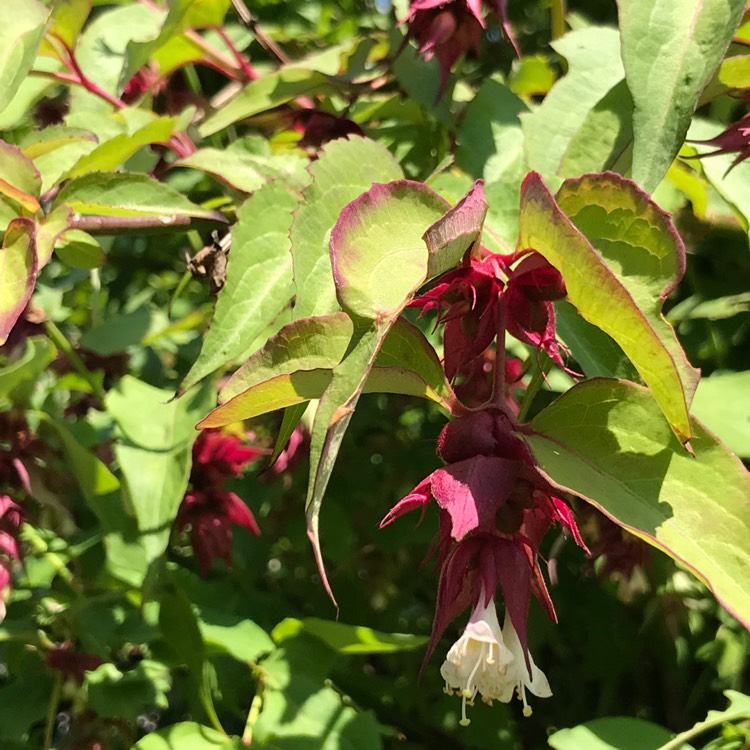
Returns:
point(179, 648)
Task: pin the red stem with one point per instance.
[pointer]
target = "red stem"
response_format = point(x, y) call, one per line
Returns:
point(81, 78)
point(250, 73)
point(498, 385)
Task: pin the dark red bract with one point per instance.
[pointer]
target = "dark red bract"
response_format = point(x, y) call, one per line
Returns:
point(72, 663)
point(209, 509)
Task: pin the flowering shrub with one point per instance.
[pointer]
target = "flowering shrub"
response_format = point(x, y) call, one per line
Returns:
point(273, 272)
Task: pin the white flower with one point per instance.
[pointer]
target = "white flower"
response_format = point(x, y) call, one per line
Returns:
point(478, 661)
point(490, 662)
point(518, 673)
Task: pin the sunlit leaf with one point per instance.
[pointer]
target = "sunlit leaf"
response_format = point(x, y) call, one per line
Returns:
point(620, 257)
point(670, 51)
point(607, 442)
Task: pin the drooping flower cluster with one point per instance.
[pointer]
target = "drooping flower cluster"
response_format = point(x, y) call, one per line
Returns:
point(494, 504)
point(447, 28)
point(210, 510)
point(488, 295)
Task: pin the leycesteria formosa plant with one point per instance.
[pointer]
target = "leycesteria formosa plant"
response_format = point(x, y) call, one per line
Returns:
point(605, 246)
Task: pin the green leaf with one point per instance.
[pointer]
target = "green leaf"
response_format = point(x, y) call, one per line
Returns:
point(118, 333)
point(100, 487)
point(347, 639)
point(125, 695)
point(259, 281)
point(593, 56)
point(115, 151)
point(362, 251)
point(620, 256)
point(56, 149)
point(79, 250)
point(296, 365)
point(670, 49)
point(344, 169)
point(378, 246)
point(598, 354)
point(722, 403)
point(180, 630)
point(154, 453)
point(735, 72)
point(300, 711)
point(127, 194)
point(607, 442)
point(233, 634)
point(20, 184)
point(102, 49)
point(38, 352)
point(246, 167)
point(611, 733)
point(267, 92)
point(68, 18)
point(187, 735)
point(490, 121)
point(18, 269)
point(604, 139)
point(457, 230)
point(22, 25)
point(492, 146)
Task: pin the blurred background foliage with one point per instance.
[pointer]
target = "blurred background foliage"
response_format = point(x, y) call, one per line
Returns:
point(637, 636)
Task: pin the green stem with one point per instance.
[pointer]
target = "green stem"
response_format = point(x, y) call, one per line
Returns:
point(537, 379)
point(679, 740)
point(208, 704)
point(59, 340)
point(41, 547)
point(54, 702)
point(252, 716)
point(558, 19)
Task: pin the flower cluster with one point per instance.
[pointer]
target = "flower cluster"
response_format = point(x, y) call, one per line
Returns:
point(494, 504)
point(209, 510)
point(447, 28)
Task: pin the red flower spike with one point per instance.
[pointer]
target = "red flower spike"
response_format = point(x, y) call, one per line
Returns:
point(467, 301)
point(72, 663)
point(217, 456)
point(445, 29)
point(208, 508)
point(448, 28)
point(532, 286)
point(211, 516)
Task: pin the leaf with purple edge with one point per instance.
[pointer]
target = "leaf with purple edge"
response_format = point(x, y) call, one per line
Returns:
point(378, 251)
point(456, 231)
point(18, 269)
point(619, 258)
point(344, 169)
point(295, 366)
point(20, 184)
point(379, 260)
point(605, 440)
